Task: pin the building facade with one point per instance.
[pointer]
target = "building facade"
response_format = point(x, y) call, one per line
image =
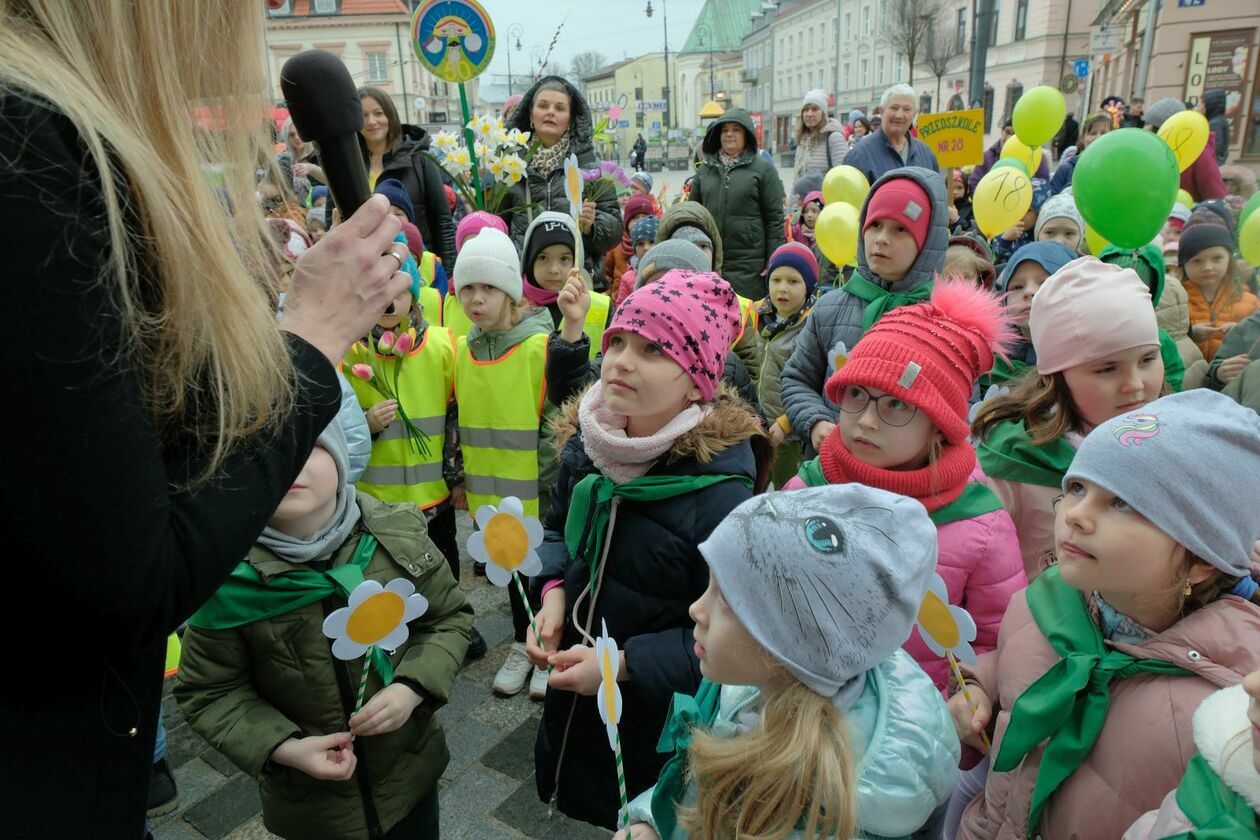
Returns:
point(638, 85)
point(710, 65)
point(372, 38)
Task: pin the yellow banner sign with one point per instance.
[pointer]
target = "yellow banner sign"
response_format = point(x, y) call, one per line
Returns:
point(955, 137)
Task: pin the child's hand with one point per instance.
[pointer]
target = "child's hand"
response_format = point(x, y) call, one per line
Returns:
point(638, 831)
point(1226, 327)
point(459, 497)
point(550, 620)
point(969, 724)
point(586, 219)
point(381, 415)
point(819, 433)
point(953, 214)
point(388, 709)
point(576, 670)
point(1014, 232)
point(1231, 367)
point(574, 301)
point(327, 757)
point(776, 433)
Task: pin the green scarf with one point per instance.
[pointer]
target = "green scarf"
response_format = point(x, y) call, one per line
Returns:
point(976, 499)
point(686, 715)
point(1007, 452)
point(1217, 812)
point(245, 597)
point(1004, 370)
point(1067, 706)
point(587, 523)
point(880, 300)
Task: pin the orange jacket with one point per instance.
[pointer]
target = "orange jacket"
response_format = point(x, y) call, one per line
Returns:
point(615, 265)
point(1231, 305)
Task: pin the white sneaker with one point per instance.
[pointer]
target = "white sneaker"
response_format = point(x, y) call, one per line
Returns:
point(514, 674)
point(538, 684)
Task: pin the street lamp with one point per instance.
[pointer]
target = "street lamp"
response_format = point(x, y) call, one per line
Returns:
point(514, 32)
point(703, 32)
point(537, 53)
point(665, 20)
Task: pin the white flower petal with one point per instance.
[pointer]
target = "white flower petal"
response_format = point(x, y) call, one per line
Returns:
point(498, 575)
point(417, 605)
point(364, 591)
point(964, 652)
point(335, 624)
point(401, 587)
point(395, 639)
point(346, 649)
point(534, 530)
point(531, 565)
point(477, 547)
point(512, 505)
point(483, 516)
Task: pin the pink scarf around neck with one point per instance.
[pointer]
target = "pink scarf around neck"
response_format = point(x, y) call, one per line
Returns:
point(616, 454)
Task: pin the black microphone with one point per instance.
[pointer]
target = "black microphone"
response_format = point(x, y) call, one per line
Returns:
point(324, 105)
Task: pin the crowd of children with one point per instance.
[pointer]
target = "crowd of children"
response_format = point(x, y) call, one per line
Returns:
point(754, 499)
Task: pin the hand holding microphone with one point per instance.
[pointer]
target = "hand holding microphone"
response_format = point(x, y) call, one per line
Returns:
point(345, 281)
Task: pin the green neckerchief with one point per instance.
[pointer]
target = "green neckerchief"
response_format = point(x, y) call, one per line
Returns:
point(976, 499)
point(879, 301)
point(1067, 706)
point(587, 522)
point(1004, 370)
point(1006, 452)
point(245, 597)
point(1217, 812)
point(686, 715)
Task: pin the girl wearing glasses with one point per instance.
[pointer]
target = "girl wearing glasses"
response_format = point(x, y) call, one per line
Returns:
point(902, 427)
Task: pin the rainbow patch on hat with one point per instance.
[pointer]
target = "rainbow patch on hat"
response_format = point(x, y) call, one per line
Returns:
point(1137, 429)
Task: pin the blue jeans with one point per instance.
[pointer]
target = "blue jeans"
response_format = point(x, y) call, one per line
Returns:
point(159, 746)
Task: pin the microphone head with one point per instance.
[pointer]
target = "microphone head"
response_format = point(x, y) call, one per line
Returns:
point(322, 98)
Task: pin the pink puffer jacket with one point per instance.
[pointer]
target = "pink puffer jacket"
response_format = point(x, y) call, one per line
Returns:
point(979, 561)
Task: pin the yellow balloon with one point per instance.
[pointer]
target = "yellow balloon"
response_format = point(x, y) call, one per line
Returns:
point(845, 184)
point(1249, 239)
point(836, 232)
point(1186, 133)
point(1095, 241)
point(1002, 198)
point(1030, 157)
point(1185, 199)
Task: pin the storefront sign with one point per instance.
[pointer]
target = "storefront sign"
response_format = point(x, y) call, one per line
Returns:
point(1220, 61)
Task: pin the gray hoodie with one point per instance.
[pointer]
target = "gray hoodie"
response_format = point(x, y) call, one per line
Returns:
point(837, 317)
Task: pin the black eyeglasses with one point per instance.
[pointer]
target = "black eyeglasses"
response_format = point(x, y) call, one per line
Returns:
point(891, 409)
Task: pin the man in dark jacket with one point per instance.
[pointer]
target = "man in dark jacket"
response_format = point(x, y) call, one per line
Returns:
point(1214, 110)
point(891, 146)
point(544, 190)
point(1067, 136)
point(744, 193)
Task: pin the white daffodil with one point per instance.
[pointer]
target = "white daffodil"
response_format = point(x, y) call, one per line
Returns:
point(482, 126)
point(506, 541)
point(946, 628)
point(445, 141)
point(482, 150)
point(457, 162)
point(376, 616)
point(495, 164)
point(513, 168)
point(517, 137)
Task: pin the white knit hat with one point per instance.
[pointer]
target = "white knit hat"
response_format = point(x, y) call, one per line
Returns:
point(818, 97)
point(490, 258)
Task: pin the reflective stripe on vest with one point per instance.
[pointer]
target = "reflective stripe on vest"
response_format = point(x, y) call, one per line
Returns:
point(453, 317)
point(500, 408)
point(596, 318)
point(396, 472)
point(747, 318)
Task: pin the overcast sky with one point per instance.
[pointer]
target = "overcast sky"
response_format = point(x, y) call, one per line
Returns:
point(617, 29)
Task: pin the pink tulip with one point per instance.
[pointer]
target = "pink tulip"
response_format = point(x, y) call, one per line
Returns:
point(404, 344)
point(385, 342)
point(363, 372)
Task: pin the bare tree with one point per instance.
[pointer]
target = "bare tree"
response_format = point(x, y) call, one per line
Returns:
point(940, 51)
point(908, 26)
point(584, 64)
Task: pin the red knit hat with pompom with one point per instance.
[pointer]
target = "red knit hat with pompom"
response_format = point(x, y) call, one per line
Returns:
point(931, 354)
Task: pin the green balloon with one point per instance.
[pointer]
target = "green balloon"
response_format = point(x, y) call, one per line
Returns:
point(1250, 207)
point(1125, 185)
point(1012, 162)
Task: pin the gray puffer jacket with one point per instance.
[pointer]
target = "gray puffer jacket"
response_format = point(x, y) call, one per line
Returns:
point(837, 317)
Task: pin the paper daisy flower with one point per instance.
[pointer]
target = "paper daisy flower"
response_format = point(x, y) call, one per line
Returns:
point(376, 616)
point(608, 658)
point(506, 540)
point(945, 627)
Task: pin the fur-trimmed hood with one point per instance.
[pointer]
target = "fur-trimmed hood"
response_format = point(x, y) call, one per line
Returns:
point(730, 422)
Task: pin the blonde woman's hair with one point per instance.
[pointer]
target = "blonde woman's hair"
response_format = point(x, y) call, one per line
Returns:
point(794, 768)
point(187, 275)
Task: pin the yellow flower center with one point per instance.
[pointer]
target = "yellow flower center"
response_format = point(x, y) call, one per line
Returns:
point(936, 619)
point(375, 618)
point(610, 685)
point(507, 544)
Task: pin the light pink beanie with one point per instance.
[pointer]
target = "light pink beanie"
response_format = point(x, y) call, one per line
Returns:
point(1087, 311)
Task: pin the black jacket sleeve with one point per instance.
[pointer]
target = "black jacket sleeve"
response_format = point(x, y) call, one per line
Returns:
point(569, 368)
point(97, 504)
point(441, 223)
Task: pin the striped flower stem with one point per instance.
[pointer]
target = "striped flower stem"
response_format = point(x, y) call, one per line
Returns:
point(520, 587)
point(367, 666)
point(623, 816)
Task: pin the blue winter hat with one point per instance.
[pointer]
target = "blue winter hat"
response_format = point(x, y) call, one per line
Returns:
point(318, 193)
point(798, 256)
point(1049, 255)
point(644, 228)
point(393, 189)
point(643, 178)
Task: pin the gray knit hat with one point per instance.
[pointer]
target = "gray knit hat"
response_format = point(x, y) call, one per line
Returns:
point(692, 234)
point(828, 579)
point(1189, 463)
point(1061, 206)
point(1158, 113)
point(671, 254)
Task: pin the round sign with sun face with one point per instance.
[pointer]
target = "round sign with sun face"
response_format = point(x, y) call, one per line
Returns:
point(454, 39)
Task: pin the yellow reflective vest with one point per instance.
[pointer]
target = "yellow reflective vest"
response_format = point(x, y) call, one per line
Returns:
point(430, 299)
point(500, 408)
point(396, 472)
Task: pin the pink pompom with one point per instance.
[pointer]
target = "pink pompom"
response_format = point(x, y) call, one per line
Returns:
point(976, 309)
